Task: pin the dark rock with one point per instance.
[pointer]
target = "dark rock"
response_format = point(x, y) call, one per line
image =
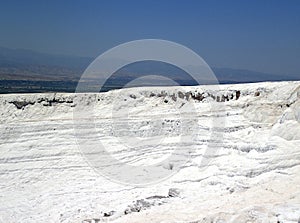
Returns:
point(156, 197)
point(169, 166)
point(257, 94)
point(93, 220)
point(198, 97)
point(224, 98)
point(212, 96)
point(174, 192)
point(108, 214)
point(162, 94)
point(144, 204)
point(138, 206)
point(180, 95)
point(132, 96)
point(21, 104)
point(188, 95)
point(174, 98)
point(237, 95)
point(49, 102)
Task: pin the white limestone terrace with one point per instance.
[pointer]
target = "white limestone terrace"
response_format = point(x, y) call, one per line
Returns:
point(253, 177)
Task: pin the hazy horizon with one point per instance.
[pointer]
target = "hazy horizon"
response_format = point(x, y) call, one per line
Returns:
point(255, 35)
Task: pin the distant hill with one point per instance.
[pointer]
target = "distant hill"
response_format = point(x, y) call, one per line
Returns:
point(28, 57)
point(19, 64)
point(20, 68)
point(224, 75)
point(246, 76)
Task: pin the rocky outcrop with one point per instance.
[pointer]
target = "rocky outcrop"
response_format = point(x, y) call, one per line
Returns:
point(143, 204)
point(50, 102)
point(21, 104)
point(44, 101)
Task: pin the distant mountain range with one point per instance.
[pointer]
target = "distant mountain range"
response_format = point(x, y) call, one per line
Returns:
point(26, 65)
point(19, 64)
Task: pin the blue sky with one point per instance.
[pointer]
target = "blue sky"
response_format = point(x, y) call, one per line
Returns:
point(260, 35)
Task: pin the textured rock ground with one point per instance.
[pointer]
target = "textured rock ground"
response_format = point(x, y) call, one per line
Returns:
point(253, 176)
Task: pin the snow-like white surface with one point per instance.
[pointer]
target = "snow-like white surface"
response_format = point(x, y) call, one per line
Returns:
point(253, 177)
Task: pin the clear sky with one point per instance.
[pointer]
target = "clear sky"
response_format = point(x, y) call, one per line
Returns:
point(260, 35)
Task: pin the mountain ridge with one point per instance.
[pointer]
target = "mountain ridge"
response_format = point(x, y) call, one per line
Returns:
point(19, 67)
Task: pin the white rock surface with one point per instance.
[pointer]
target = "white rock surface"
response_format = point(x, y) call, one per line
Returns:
point(253, 177)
